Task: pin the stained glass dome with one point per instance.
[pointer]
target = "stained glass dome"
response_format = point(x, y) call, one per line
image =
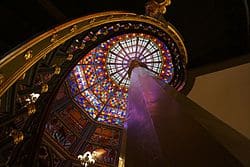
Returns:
point(99, 82)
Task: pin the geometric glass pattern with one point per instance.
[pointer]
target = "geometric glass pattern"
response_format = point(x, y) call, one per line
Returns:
point(99, 82)
point(133, 47)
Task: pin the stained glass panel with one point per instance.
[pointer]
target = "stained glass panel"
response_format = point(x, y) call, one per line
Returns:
point(73, 118)
point(105, 136)
point(100, 80)
point(80, 78)
point(86, 106)
point(60, 133)
point(103, 90)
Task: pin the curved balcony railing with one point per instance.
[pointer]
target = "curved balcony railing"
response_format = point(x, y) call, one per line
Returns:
point(15, 64)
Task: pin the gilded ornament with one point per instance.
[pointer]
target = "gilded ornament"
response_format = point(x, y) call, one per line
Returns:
point(82, 46)
point(74, 28)
point(116, 29)
point(32, 98)
point(163, 6)
point(105, 32)
point(136, 27)
point(54, 38)
point(31, 107)
point(94, 38)
point(110, 17)
point(92, 20)
point(1, 79)
point(17, 136)
point(44, 57)
point(28, 55)
point(125, 16)
point(45, 88)
point(89, 159)
point(57, 70)
point(155, 9)
point(126, 27)
point(70, 57)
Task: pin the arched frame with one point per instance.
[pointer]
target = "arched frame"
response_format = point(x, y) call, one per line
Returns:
point(14, 65)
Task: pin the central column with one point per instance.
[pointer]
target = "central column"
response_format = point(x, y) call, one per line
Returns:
point(160, 132)
point(143, 143)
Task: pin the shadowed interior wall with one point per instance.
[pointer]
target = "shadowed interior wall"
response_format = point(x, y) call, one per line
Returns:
point(226, 95)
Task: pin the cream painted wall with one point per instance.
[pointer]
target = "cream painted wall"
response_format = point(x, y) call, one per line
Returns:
point(226, 95)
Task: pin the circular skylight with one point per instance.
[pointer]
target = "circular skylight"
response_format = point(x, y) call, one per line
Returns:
point(142, 48)
point(99, 82)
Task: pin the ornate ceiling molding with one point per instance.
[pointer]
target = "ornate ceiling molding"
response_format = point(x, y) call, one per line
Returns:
point(15, 64)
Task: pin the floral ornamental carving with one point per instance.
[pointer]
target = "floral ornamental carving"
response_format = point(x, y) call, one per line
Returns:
point(17, 136)
point(57, 70)
point(92, 20)
point(70, 57)
point(31, 109)
point(28, 55)
point(74, 28)
point(156, 9)
point(45, 88)
point(54, 38)
point(89, 158)
point(1, 79)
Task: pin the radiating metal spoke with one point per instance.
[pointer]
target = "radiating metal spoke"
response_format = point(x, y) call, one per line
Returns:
point(136, 48)
point(144, 48)
point(123, 48)
point(91, 86)
point(126, 42)
point(149, 54)
point(152, 71)
point(117, 63)
point(118, 71)
point(118, 55)
point(123, 77)
point(109, 98)
point(153, 62)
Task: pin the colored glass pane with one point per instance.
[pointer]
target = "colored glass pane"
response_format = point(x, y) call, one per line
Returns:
point(60, 133)
point(100, 80)
point(105, 136)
